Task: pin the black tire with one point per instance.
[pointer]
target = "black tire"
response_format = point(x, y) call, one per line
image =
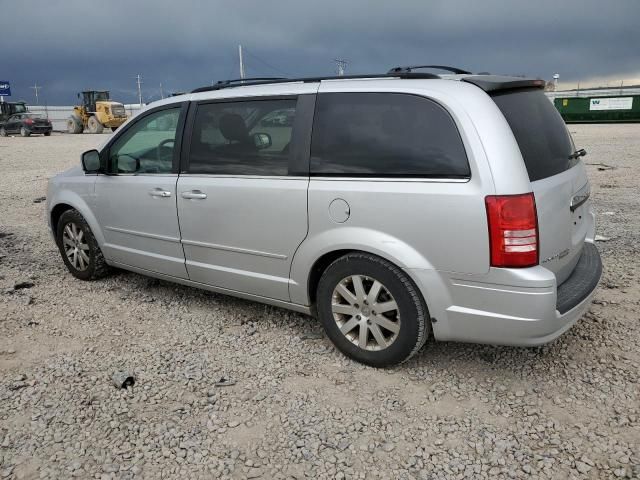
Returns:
point(113, 129)
point(414, 317)
point(47, 134)
point(3, 132)
point(97, 266)
point(94, 125)
point(24, 132)
point(74, 124)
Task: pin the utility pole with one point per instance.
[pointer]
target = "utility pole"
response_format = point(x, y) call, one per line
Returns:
point(241, 62)
point(341, 66)
point(139, 82)
point(36, 87)
point(161, 91)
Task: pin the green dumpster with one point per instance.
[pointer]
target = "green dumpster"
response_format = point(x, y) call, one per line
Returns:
point(619, 109)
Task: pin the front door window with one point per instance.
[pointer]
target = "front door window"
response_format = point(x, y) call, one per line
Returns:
point(148, 147)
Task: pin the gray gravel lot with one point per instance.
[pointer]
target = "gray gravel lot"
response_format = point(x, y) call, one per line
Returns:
point(298, 408)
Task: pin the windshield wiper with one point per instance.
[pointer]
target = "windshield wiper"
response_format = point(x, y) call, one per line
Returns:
point(578, 153)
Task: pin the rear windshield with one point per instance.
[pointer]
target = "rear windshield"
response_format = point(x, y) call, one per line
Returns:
point(541, 134)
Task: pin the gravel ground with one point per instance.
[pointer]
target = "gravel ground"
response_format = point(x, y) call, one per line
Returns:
point(298, 408)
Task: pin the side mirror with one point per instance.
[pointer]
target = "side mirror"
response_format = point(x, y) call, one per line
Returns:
point(262, 140)
point(91, 161)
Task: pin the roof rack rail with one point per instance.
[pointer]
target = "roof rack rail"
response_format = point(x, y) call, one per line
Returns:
point(241, 81)
point(437, 67)
point(268, 80)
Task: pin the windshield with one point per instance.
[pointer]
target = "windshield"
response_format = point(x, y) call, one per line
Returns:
point(19, 108)
point(541, 133)
point(102, 96)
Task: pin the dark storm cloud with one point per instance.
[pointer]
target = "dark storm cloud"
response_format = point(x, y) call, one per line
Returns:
point(67, 46)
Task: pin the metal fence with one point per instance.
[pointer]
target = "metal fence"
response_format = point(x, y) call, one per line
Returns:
point(595, 92)
point(59, 114)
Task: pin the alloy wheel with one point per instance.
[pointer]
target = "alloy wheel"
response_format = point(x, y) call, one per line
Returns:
point(366, 313)
point(75, 246)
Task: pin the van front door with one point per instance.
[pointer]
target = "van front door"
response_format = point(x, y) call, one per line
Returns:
point(136, 200)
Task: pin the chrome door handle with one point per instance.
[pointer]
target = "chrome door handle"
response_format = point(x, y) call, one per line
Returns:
point(194, 195)
point(158, 192)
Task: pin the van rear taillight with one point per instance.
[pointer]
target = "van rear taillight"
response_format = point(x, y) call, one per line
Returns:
point(513, 230)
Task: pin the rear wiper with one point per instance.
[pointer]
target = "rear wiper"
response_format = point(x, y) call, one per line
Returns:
point(578, 153)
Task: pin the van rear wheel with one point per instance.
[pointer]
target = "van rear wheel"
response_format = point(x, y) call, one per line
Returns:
point(371, 310)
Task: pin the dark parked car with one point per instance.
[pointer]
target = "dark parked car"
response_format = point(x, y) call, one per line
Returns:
point(25, 124)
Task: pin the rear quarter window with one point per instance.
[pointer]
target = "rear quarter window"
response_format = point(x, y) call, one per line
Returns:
point(541, 133)
point(385, 135)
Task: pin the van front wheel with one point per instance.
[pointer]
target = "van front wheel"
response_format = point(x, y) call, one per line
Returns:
point(371, 310)
point(79, 248)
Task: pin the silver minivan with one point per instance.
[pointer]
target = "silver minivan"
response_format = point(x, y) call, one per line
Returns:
point(391, 207)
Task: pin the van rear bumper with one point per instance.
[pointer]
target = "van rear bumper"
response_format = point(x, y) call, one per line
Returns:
point(521, 307)
point(582, 281)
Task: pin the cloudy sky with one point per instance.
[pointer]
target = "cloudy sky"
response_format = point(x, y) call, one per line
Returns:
point(67, 46)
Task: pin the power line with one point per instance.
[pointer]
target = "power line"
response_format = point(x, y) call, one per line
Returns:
point(233, 67)
point(242, 52)
point(268, 65)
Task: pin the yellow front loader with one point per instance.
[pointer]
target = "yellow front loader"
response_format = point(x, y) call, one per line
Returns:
point(96, 112)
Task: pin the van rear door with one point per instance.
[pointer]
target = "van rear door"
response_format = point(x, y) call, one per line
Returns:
point(558, 178)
